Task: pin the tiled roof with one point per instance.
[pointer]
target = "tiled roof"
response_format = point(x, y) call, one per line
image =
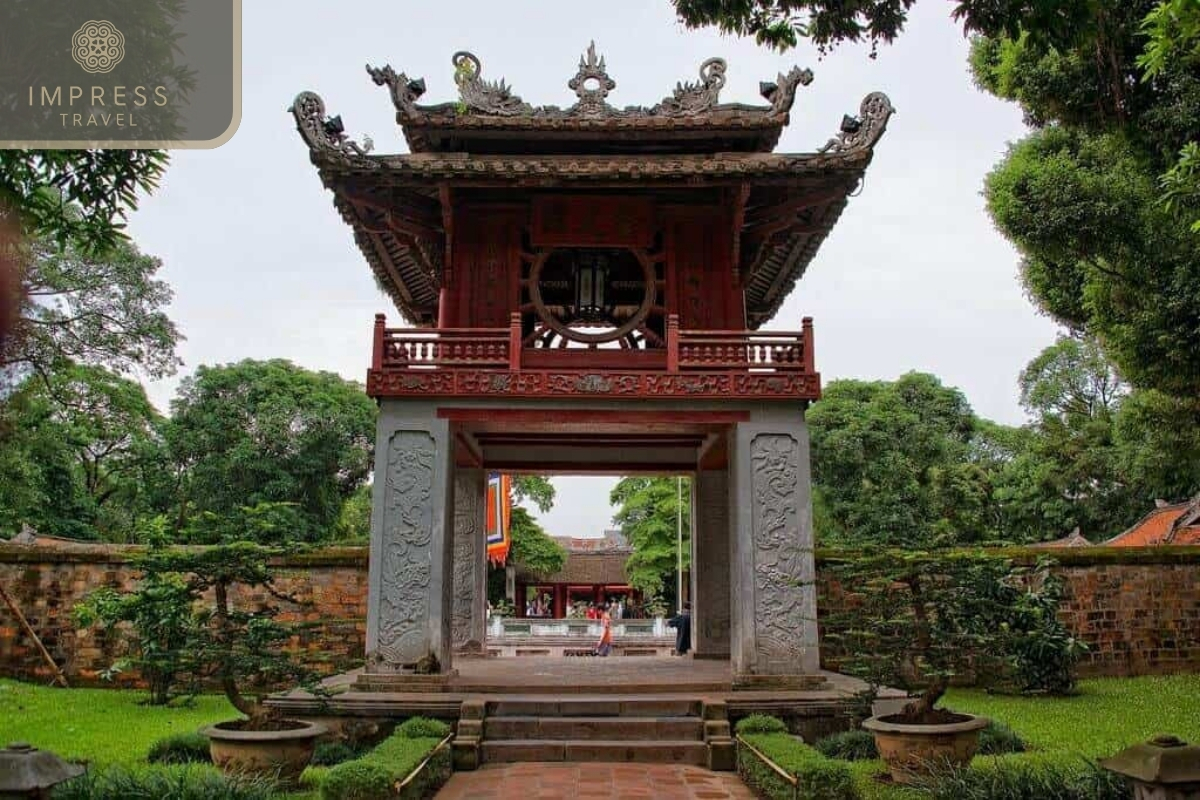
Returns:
point(1176, 524)
point(586, 569)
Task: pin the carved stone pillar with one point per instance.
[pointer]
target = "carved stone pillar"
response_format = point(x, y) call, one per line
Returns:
point(410, 579)
point(710, 564)
point(469, 616)
point(773, 599)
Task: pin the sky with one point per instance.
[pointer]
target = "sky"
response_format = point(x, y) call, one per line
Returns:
point(913, 277)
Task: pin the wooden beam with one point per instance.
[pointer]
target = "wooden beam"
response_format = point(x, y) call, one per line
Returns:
point(598, 417)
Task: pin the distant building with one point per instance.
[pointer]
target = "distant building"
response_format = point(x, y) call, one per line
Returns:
point(594, 572)
point(1169, 524)
point(1076, 539)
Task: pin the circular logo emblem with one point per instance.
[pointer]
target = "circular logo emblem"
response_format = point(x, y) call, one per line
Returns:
point(98, 46)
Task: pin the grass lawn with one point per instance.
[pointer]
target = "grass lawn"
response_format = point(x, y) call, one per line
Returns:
point(100, 726)
point(1106, 716)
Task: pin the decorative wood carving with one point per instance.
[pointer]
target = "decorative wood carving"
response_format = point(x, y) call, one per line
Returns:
point(591, 221)
point(623, 327)
point(591, 85)
point(778, 603)
point(782, 92)
point(697, 385)
point(407, 549)
point(321, 132)
point(404, 91)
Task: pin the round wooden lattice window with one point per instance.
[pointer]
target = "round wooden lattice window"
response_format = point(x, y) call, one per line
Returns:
point(570, 326)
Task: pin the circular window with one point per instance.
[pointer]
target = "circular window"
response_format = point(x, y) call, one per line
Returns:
point(592, 295)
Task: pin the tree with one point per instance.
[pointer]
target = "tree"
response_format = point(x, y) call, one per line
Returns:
point(103, 310)
point(781, 24)
point(78, 444)
point(649, 515)
point(892, 463)
point(532, 547)
point(269, 431)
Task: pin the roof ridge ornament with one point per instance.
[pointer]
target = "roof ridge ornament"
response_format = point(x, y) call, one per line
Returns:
point(591, 85)
point(486, 97)
point(781, 93)
point(323, 133)
point(695, 98)
point(405, 92)
point(863, 131)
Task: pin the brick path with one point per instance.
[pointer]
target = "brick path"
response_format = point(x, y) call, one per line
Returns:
point(534, 781)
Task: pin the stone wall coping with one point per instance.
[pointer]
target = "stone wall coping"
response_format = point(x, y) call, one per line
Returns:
point(356, 555)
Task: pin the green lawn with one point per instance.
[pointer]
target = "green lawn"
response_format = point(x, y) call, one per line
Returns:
point(101, 726)
point(1106, 716)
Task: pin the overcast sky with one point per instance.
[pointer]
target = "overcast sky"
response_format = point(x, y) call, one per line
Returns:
point(914, 277)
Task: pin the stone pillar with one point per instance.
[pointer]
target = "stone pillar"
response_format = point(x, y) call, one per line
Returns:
point(773, 631)
point(469, 616)
point(710, 564)
point(410, 578)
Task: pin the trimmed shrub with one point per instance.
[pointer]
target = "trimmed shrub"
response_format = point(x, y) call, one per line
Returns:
point(997, 739)
point(817, 777)
point(181, 782)
point(312, 778)
point(760, 723)
point(856, 745)
point(1024, 780)
point(180, 748)
point(357, 780)
point(328, 754)
point(423, 728)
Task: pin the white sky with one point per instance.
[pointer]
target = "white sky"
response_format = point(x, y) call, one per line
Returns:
point(914, 277)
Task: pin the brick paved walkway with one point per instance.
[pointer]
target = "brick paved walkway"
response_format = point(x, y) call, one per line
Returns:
point(534, 781)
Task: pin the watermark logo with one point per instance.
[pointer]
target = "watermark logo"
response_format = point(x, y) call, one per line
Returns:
point(98, 46)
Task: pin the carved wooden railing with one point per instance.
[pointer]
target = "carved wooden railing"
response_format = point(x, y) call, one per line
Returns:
point(501, 348)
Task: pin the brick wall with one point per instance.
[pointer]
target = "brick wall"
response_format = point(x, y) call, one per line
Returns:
point(1138, 610)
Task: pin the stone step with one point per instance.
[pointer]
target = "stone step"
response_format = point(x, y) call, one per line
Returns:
point(594, 707)
point(664, 752)
point(622, 729)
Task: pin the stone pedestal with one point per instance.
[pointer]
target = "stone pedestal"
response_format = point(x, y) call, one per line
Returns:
point(469, 612)
point(710, 565)
point(773, 629)
point(410, 583)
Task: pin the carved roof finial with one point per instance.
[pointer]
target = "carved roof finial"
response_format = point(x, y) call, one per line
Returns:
point(483, 96)
point(863, 131)
point(591, 84)
point(695, 98)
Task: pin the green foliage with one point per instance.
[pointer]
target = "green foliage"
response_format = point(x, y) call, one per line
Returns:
point(999, 739)
point(1005, 780)
point(373, 776)
point(760, 723)
point(532, 547)
point(855, 745)
point(536, 488)
point(422, 728)
point(649, 513)
point(329, 754)
point(188, 782)
point(357, 780)
point(914, 620)
point(354, 520)
point(162, 628)
point(268, 431)
point(77, 196)
point(181, 748)
point(817, 777)
point(892, 461)
point(104, 309)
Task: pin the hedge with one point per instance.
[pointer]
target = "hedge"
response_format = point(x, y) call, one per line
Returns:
point(812, 776)
point(386, 771)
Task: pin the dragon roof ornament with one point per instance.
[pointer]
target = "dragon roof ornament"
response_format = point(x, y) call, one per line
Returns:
point(863, 131)
point(591, 85)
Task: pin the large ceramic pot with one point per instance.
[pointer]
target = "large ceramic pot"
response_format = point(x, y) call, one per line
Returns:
point(282, 753)
point(911, 751)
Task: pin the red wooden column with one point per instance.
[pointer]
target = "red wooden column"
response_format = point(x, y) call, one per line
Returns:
point(597, 594)
point(560, 601)
point(519, 600)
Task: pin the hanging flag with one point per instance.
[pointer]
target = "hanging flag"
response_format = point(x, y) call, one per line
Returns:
point(499, 513)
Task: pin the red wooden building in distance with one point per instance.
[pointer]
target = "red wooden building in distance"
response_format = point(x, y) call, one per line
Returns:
point(584, 290)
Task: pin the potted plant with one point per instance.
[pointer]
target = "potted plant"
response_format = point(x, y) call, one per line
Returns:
point(913, 621)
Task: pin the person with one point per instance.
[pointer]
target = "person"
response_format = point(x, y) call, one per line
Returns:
point(682, 623)
point(604, 646)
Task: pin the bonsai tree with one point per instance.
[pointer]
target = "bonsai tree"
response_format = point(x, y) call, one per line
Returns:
point(915, 620)
point(227, 637)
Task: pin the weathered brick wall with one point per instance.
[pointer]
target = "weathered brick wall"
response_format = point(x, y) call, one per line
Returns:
point(1139, 611)
point(47, 584)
